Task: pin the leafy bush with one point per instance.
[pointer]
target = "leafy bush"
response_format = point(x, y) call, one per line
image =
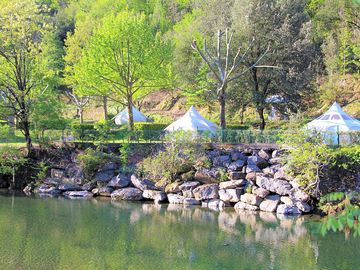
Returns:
point(11, 160)
point(92, 160)
point(182, 152)
point(85, 131)
point(149, 126)
point(237, 127)
point(149, 131)
point(103, 131)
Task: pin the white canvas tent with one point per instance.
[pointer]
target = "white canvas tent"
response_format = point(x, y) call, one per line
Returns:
point(333, 122)
point(122, 117)
point(192, 121)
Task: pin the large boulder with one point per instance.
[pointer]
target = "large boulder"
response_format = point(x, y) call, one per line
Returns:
point(48, 190)
point(75, 174)
point(236, 165)
point(173, 187)
point(142, 184)
point(264, 154)
point(245, 206)
point(261, 192)
point(232, 184)
point(216, 203)
point(257, 161)
point(57, 173)
point(221, 161)
point(287, 200)
point(299, 195)
point(104, 176)
point(157, 196)
point(105, 191)
point(270, 204)
point(206, 192)
point(175, 198)
point(127, 194)
point(251, 199)
point(303, 206)
point(230, 195)
point(191, 201)
point(69, 187)
point(78, 194)
point(206, 176)
point(280, 187)
point(88, 186)
point(284, 209)
point(119, 181)
point(187, 188)
point(236, 155)
point(252, 169)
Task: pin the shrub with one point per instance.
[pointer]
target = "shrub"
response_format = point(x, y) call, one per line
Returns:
point(11, 160)
point(149, 131)
point(92, 160)
point(237, 127)
point(182, 152)
point(85, 131)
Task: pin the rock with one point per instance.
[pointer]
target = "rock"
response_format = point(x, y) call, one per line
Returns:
point(162, 183)
point(269, 205)
point(245, 206)
point(251, 177)
point(295, 184)
point(190, 201)
point(119, 181)
point(188, 176)
point(269, 171)
point(206, 176)
point(187, 188)
point(237, 165)
point(230, 195)
point(206, 192)
point(57, 173)
point(110, 166)
point(105, 191)
point(280, 187)
point(251, 199)
point(232, 184)
point(216, 203)
point(286, 200)
point(157, 196)
point(75, 173)
point(142, 184)
point(175, 198)
point(252, 169)
point(236, 175)
point(274, 161)
point(127, 194)
point(78, 194)
point(29, 188)
point(48, 190)
point(69, 187)
point(264, 154)
point(303, 206)
point(257, 161)
point(95, 191)
point(261, 192)
point(281, 174)
point(88, 186)
point(173, 187)
point(52, 181)
point(273, 197)
point(277, 153)
point(238, 156)
point(288, 210)
point(104, 176)
point(221, 161)
point(299, 195)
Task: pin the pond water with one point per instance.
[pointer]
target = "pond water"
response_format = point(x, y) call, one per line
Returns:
point(58, 233)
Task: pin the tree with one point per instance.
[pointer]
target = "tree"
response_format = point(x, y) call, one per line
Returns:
point(80, 102)
point(125, 60)
point(225, 67)
point(286, 27)
point(22, 28)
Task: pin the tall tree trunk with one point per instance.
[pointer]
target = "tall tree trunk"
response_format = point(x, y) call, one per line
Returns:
point(105, 107)
point(11, 121)
point(222, 102)
point(260, 112)
point(26, 130)
point(242, 111)
point(81, 115)
point(130, 112)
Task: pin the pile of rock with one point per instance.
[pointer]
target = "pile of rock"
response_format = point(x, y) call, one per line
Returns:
point(256, 181)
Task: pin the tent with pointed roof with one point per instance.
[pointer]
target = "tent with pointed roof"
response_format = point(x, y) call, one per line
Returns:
point(332, 123)
point(335, 119)
point(193, 121)
point(122, 118)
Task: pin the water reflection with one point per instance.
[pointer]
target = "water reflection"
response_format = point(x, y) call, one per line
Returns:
point(97, 234)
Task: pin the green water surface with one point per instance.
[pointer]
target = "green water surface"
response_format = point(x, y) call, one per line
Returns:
point(58, 233)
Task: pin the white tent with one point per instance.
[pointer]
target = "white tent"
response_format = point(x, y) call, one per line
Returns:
point(333, 121)
point(192, 121)
point(122, 117)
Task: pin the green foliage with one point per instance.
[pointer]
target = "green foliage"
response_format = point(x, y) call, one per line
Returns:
point(42, 169)
point(237, 127)
point(125, 151)
point(182, 152)
point(223, 176)
point(149, 126)
point(11, 160)
point(84, 131)
point(103, 131)
point(92, 160)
